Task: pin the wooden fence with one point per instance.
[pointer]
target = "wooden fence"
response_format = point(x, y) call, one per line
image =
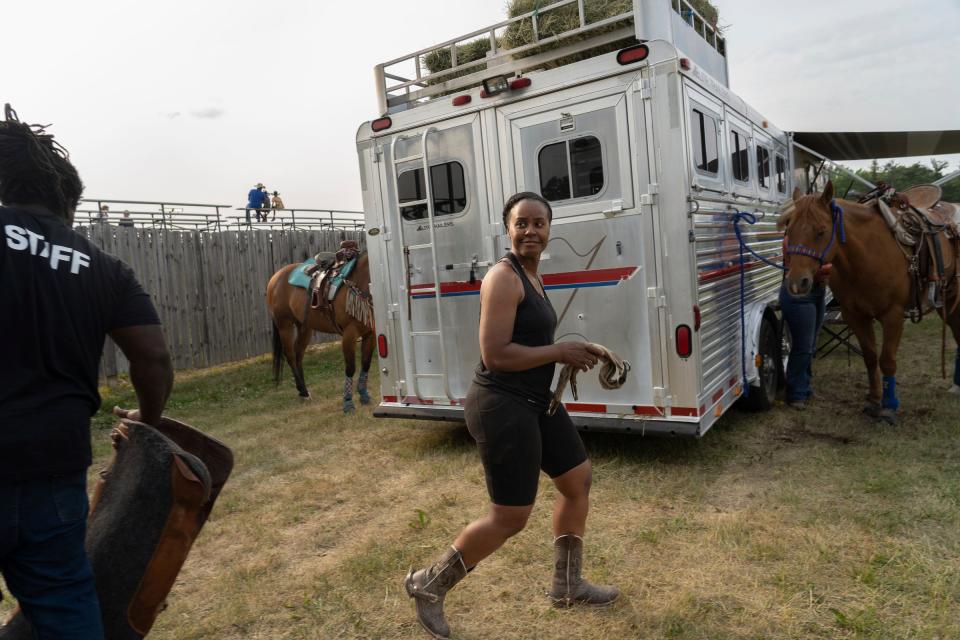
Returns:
point(209, 287)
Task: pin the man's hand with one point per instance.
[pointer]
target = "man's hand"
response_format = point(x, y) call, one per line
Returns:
point(150, 370)
point(129, 414)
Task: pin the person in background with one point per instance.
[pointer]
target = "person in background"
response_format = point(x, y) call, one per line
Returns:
point(276, 202)
point(265, 204)
point(60, 296)
point(505, 410)
point(255, 200)
point(104, 215)
point(126, 220)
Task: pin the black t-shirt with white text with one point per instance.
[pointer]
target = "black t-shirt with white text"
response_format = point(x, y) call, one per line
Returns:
point(59, 297)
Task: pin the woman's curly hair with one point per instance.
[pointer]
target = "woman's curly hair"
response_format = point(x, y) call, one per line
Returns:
point(35, 169)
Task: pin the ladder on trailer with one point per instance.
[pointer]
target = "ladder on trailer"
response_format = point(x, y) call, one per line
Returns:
point(410, 336)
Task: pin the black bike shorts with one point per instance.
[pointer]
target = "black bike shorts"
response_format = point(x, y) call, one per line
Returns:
point(517, 441)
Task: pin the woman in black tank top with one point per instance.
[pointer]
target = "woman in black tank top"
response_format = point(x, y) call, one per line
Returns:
point(505, 410)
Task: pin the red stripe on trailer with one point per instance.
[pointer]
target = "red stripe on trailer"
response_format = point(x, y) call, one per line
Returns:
point(415, 400)
point(585, 406)
point(732, 383)
point(718, 394)
point(389, 398)
point(713, 274)
point(685, 411)
point(703, 409)
point(647, 410)
point(593, 275)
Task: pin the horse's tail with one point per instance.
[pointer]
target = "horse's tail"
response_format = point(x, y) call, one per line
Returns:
point(277, 355)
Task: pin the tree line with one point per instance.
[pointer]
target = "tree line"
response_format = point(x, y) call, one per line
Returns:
point(899, 176)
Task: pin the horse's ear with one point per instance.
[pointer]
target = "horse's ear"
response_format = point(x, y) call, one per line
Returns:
point(827, 195)
point(797, 194)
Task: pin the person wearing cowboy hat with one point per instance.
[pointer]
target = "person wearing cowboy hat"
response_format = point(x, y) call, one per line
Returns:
point(276, 202)
point(256, 199)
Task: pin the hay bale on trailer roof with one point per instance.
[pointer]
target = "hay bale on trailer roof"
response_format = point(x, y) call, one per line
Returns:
point(552, 21)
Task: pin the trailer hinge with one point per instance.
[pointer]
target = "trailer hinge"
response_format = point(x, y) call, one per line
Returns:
point(377, 155)
point(661, 398)
point(646, 89)
point(650, 197)
point(393, 309)
point(691, 236)
point(656, 293)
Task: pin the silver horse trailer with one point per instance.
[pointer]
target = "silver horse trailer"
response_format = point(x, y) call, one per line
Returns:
point(646, 157)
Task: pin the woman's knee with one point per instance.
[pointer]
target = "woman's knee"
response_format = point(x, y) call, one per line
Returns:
point(509, 520)
point(576, 482)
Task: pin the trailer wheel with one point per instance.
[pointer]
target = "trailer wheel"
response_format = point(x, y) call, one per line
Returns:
point(763, 394)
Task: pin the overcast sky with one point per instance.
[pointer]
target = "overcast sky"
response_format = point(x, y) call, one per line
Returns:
point(196, 101)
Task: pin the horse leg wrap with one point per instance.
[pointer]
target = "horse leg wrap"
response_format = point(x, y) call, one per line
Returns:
point(890, 400)
point(362, 388)
point(347, 395)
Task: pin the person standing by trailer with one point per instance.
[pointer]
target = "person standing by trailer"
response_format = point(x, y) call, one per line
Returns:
point(506, 414)
point(60, 296)
point(804, 316)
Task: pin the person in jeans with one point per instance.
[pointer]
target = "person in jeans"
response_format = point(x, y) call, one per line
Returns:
point(60, 296)
point(804, 316)
point(505, 410)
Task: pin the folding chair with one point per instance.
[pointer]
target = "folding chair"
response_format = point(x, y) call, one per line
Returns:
point(836, 332)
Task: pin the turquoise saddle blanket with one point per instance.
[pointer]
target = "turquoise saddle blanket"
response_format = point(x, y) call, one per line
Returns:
point(299, 278)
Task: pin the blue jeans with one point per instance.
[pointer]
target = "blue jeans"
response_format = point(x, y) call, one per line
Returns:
point(804, 316)
point(42, 559)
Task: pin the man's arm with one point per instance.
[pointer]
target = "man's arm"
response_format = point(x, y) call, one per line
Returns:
point(151, 372)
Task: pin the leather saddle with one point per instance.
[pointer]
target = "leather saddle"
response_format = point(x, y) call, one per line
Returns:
point(148, 508)
point(328, 267)
point(925, 198)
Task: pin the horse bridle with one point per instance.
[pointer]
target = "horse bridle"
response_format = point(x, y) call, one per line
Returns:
point(837, 229)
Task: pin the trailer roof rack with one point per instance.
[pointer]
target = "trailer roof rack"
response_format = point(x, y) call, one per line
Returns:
point(405, 82)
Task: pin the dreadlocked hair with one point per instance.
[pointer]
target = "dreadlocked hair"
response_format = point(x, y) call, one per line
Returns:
point(35, 168)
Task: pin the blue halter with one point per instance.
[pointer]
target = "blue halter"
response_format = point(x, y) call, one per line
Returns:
point(836, 212)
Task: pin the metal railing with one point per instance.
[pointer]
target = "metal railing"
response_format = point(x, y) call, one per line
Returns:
point(183, 216)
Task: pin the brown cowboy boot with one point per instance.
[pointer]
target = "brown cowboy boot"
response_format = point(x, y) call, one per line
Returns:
point(569, 587)
point(429, 586)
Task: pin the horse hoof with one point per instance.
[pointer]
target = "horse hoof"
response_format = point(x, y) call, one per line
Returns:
point(348, 407)
point(305, 397)
point(889, 416)
point(954, 390)
point(872, 409)
point(364, 398)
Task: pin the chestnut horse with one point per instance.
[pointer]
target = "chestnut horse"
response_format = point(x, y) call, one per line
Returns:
point(294, 322)
point(869, 279)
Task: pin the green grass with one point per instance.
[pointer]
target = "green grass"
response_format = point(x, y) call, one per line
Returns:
point(821, 524)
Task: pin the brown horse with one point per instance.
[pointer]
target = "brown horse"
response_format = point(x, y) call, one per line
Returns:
point(869, 279)
point(294, 322)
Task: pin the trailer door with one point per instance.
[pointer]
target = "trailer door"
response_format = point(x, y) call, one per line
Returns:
point(436, 199)
point(587, 155)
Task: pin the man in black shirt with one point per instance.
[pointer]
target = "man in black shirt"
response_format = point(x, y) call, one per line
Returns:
point(59, 297)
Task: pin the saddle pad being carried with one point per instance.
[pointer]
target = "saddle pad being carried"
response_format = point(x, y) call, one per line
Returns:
point(300, 279)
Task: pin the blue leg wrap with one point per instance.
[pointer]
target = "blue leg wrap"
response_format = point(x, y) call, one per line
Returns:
point(362, 388)
point(956, 369)
point(890, 400)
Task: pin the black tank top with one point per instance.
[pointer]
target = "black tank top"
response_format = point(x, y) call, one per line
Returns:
point(534, 326)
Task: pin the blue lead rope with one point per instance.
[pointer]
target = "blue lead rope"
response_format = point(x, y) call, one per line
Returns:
point(739, 216)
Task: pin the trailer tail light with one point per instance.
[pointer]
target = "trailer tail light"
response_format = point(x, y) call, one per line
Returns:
point(696, 317)
point(684, 340)
point(382, 345)
point(636, 53)
point(520, 83)
point(459, 101)
point(685, 64)
point(381, 123)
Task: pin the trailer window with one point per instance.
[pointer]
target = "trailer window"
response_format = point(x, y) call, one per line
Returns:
point(704, 131)
point(763, 167)
point(781, 173)
point(447, 184)
point(739, 156)
point(571, 169)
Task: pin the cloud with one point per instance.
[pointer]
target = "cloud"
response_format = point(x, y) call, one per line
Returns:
point(211, 113)
point(173, 114)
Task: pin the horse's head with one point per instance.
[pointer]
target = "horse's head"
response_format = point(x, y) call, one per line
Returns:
point(814, 228)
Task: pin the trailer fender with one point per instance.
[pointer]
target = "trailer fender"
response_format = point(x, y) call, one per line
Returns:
point(753, 316)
